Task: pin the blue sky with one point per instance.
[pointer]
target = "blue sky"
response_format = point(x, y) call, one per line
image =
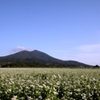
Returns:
point(64, 29)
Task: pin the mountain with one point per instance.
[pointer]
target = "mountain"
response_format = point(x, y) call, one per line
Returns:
point(36, 59)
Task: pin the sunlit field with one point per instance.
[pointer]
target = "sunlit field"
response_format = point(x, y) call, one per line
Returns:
point(49, 84)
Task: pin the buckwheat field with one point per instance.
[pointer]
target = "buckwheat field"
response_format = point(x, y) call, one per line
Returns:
point(49, 84)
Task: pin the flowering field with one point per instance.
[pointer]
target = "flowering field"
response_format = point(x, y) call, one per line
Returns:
point(49, 84)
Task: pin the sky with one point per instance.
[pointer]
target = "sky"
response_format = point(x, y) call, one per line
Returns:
point(64, 29)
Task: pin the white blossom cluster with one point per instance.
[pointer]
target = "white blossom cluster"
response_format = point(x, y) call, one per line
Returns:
point(49, 84)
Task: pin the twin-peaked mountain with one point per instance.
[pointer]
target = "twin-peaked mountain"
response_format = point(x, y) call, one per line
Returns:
point(36, 59)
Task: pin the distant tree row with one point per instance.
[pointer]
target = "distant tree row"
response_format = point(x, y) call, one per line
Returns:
point(96, 66)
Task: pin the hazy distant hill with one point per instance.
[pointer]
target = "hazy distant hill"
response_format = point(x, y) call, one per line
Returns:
point(36, 59)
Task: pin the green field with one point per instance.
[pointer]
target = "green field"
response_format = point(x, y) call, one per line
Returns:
point(49, 84)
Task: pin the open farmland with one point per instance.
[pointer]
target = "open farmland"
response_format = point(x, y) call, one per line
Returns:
point(49, 84)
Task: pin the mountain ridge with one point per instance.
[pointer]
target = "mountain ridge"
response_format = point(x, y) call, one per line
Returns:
point(36, 58)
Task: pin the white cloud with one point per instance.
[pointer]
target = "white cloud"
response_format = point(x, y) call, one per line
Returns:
point(89, 54)
point(20, 48)
point(89, 48)
point(89, 58)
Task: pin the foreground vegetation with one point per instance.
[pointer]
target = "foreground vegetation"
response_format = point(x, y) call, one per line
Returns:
point(49, 84)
